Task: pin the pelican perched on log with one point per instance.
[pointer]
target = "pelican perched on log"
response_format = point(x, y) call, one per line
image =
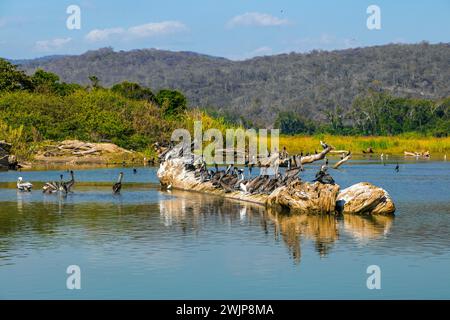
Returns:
point(323, 176)
point(23, 186)
point(118, 185)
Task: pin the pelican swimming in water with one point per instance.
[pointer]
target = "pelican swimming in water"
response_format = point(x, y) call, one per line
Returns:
point(67, 186)
point(54, 186)
point(118, 185)
point(23, 186)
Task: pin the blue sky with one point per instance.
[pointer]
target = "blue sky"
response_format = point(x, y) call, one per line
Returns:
point(236, 29)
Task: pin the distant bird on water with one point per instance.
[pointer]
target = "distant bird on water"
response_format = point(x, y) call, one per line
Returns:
point(118, 185)
point(397, 168)
point(134, 171)
point(23, 186)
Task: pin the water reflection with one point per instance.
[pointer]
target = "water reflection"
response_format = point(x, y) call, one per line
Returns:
point(189, 211)
point(51, 220)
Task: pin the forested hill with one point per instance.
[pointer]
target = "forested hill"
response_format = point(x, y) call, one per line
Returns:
point(259, 88)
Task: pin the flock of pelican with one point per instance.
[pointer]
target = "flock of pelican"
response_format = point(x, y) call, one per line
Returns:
point(64, 187)
point(233, 178)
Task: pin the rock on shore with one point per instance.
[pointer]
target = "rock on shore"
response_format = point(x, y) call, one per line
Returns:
point(80, 152)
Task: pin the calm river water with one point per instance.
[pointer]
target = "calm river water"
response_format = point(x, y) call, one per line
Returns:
point(153, 244)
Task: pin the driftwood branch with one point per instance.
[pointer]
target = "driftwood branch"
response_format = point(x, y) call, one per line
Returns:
point(339, 151)
point(82, 153)
point(315, 157)
point(344, 160)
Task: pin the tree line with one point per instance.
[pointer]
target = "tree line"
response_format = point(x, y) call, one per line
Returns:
point(375, 113)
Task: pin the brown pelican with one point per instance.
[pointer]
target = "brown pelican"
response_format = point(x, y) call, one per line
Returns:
point(323, 144)
point(54, 186)
point(67, 186)
point(323, 177)
point(118, 185)
point(256, 183)
point(23, 186)
point(241, 179)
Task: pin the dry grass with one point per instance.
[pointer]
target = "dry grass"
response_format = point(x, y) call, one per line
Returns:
point(392, 145)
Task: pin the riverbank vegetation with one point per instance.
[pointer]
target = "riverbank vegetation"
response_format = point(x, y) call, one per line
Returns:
point(39, 108)
point(357, 144)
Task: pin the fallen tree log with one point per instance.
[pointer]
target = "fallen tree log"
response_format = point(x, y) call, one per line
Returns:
point(315, 157)
point(305, 197)
point(82, 153)
point(339, 151)
point(417, 154)
point(296, 196)
point(364, 198)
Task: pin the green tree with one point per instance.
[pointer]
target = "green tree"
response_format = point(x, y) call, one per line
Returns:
point(292, 123)
point(172, 102)
point(133, 91)
point(12, 79)
point(95, 82)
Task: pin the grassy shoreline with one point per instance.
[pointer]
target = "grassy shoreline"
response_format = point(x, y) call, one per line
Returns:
point(380, 144)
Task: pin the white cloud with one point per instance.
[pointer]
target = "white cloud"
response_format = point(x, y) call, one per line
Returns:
point(323, 42)
point(157, 28)
point(258, 52)
point(51, 45)
point(141, 31)
point(103, 34)
point(261, 51)
point(256, 19)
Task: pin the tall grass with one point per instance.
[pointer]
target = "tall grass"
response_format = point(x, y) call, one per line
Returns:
point(393, 145)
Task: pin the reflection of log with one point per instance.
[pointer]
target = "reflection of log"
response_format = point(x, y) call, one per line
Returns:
point(364, 228)
point(344, 160)
point(315, 157)
point(365, 198)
